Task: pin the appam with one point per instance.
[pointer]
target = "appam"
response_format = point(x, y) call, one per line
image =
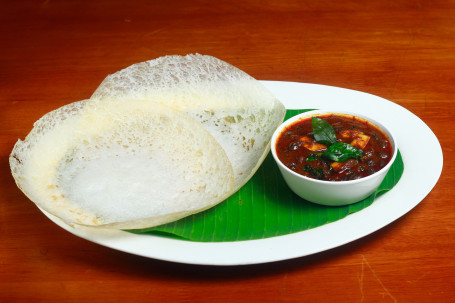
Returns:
point(236, 109)
point(157, 141)
point(121, 165)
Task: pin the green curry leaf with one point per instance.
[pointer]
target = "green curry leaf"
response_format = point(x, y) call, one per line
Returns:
point(340, 152)
point(317, 173)
point(313, 156)
point(323, 132)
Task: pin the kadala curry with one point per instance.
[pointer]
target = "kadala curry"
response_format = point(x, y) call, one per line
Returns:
point(333, 147)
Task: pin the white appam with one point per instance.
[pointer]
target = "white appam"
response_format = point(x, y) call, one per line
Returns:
point(157, 141)
point(236, 109)
point(121, 165)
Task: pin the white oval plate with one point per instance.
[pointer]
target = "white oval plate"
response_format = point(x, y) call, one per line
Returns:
point(416, 182)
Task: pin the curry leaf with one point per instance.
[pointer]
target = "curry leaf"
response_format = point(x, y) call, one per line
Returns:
point(323, 132)
point(317, 173)
point(313, 156)
point(340, 152)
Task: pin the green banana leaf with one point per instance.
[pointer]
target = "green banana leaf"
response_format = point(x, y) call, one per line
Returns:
point(265, 207)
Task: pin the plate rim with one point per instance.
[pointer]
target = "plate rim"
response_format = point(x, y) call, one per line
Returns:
point(287, 246)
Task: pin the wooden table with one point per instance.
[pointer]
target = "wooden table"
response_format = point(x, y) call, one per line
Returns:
point(56, 52)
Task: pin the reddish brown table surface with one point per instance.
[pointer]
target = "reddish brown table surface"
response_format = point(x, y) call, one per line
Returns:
point(56, 52)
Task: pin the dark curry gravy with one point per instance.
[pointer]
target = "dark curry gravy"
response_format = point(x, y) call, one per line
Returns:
point(296, 143)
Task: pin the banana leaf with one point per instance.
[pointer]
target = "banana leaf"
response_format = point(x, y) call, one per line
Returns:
point(265, 207)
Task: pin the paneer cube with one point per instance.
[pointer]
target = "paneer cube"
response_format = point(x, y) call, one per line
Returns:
point(359, 139)
point(311, 144)
point(342, 166)
point(337, 166)
point(349, 133)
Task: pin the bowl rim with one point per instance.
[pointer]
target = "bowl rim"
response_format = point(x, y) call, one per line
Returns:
point(317, 112)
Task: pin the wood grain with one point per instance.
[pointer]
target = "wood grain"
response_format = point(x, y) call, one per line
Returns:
point(56, 52)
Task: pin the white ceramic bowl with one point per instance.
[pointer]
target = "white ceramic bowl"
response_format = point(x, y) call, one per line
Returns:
point(333, 193)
